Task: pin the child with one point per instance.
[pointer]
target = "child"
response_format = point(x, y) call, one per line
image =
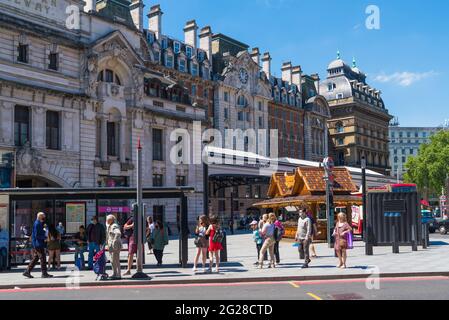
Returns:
point(258, 239)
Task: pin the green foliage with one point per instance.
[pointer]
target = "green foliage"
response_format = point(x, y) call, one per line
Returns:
point(431, 166)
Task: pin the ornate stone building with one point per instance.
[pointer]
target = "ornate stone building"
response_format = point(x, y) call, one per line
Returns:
point(78, 89)
point(360, 120)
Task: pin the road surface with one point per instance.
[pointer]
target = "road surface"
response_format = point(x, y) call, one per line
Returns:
point(430, 288)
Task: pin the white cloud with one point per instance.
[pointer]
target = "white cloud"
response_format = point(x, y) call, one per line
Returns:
point(405, 78)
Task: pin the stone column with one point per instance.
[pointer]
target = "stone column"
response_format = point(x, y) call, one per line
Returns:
point(122, 140)
point(170, 178)
point(7, 120)
point(104, 138)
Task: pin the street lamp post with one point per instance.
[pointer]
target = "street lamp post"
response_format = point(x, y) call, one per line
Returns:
point(139, 219)
point(206, 178)
point(328, 164)
point(366, 232)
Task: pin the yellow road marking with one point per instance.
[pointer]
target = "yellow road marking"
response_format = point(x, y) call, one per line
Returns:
point(314, 296)
point(294, 284)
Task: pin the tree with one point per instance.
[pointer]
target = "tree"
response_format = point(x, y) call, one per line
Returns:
point(429, 169)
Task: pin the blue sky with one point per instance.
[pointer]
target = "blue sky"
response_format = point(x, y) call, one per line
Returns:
point(407, 59)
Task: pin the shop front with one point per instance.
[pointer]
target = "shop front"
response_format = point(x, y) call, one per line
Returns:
point(305, 188)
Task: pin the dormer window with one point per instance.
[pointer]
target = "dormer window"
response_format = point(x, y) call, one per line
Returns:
point(201, 56)
point(182, 65)
point(194, 69)
point(339, 95)
point(189, 52)
point(164, 43)
point(284, 98)
point(206, 72)
point(331, 87)
point(150, 37)
point(176, 47)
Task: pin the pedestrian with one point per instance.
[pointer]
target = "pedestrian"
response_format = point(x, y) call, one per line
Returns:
point(114, 243)
point(303, 236)
point(60, 228)
point(96, 237)
point(279, 232)
point(263, 221)
point(38, 252)
point(80, 247)
point(269, 242)
point(216, 236)
point(314, 233)
point(201, 243)
point(258, 239)
point(159, 240)
point(132, 245)
point(54, 247)
point(341, 232)
point(231, 226)
point(149, 231)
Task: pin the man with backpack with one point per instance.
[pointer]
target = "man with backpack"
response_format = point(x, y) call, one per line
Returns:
point(96, 237)
point(279, 232)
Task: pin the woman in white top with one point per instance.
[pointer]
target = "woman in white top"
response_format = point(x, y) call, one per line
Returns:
point(114, 243)
point(269, 242)
point(201, 243)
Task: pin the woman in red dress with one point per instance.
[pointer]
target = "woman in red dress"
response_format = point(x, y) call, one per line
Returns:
point(214, 247)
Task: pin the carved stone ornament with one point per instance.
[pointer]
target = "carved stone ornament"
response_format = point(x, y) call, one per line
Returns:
point(29, 160)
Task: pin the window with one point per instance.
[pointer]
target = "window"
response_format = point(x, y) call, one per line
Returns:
point(53, 61)
point(112, 142)
point(194, 69)
point(169, 61)
point(226, 115)
point(260, 121)
point(164, 43)
point(157, 145)
point(189, 52)
point(176, 47)
point(260, 105)
point(158, 180)
point(52, 130)
point(226, 96)
point(158, 213)
point(241, 101)
point(340, 141)
point(182, 65)
point(412, 151)
point(248, 191)
point(22, 50)
point(181, 181)
point(240, 116)
point(257, 192)
point(205, 94)
point(21, 125)
point(339, 95)
point(194, 91)
point(109, 76)
point(339, 127)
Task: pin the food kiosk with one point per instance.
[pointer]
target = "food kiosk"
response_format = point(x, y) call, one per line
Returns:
point(305, 188)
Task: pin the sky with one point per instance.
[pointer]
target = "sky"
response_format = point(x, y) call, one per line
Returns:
point(407, 57)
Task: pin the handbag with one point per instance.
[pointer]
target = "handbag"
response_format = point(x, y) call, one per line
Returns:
point(350, 240)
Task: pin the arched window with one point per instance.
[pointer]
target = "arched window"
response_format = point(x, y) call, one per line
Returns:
point(241, 101)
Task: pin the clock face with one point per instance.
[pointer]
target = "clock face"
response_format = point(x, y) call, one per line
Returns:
point(243, 75)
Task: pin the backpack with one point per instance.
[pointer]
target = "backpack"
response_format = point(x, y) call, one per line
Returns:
point(218, 236)
point(278, 233)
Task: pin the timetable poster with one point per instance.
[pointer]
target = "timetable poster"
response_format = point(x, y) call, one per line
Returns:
point(75, 216)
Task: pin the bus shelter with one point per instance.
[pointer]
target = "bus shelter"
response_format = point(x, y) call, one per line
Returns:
point(305, 188)
point(75, 208)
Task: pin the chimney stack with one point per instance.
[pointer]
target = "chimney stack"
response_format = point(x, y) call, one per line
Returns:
point(206, 42)
point(316, 79)
point(266, 64)
point(190, 33)
point(155, 20)
point(136, 10)
point(287, 72)
point(255, 55)
point(296, 76)
point(91, 5)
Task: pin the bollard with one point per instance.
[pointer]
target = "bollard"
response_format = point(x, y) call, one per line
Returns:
point(394, 234)
point(224, 252)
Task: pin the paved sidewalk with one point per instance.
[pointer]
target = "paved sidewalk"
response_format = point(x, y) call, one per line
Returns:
point(242, 255)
